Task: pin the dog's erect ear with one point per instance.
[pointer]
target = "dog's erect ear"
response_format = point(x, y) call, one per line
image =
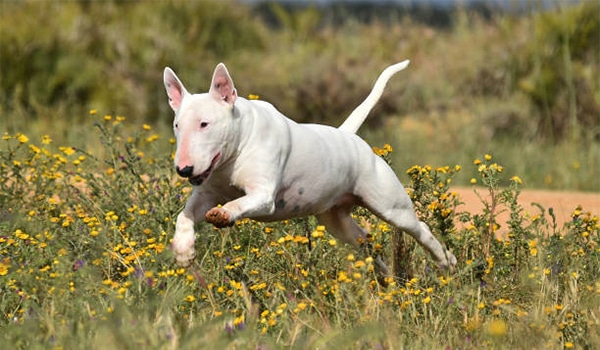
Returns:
point(175, 89)
point(221, 87)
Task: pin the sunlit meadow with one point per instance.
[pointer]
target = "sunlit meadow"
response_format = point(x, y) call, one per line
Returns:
point(85, 262)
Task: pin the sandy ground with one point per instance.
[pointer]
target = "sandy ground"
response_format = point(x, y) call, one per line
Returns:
point(563, 203)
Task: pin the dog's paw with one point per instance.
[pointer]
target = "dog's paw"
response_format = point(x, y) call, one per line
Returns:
point(183, 247)
point(219, 217)
point(185, 260)
point(449, 262)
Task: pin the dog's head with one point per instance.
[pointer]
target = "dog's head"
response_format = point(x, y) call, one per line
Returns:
point(202, 123)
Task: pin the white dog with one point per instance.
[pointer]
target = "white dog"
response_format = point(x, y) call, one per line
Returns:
point(261, 165)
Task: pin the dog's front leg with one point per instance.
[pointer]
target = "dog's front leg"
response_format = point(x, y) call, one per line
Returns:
point(257, 204)
point(183, 241)
point(194, 212)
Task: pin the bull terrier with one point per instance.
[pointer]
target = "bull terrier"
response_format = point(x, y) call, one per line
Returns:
point(259, 164)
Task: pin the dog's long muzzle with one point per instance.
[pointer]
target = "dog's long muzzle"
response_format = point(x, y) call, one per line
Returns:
point(186, 172)
point(197, 180)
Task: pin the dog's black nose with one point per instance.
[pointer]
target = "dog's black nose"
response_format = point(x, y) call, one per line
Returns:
point(187, 171)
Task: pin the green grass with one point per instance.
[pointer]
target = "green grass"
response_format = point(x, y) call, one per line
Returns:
point(85, 262)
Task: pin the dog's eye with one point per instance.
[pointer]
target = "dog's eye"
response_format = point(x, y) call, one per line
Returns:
point(203, 125)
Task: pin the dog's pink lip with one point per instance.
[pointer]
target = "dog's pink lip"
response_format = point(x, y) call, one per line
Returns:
point(199, 179)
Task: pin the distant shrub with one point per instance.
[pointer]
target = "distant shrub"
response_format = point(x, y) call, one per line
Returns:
point(559, 70)
point(110, 55)
point(535, 74)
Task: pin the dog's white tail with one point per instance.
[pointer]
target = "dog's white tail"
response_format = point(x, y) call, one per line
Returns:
point(358, 116)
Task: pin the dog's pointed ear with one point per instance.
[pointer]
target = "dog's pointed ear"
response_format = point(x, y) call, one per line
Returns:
point(221, 87)
point(175, 89)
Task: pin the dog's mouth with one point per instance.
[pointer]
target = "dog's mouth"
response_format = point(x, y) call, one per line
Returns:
point(199, 179)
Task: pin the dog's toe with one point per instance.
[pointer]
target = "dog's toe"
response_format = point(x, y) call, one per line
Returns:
point(450, 263)
point(185, 260)
point(219, 217)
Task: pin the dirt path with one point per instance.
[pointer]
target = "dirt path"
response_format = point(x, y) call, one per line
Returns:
point(563, 203)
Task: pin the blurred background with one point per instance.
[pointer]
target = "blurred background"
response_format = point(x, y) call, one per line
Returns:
point(517, 79)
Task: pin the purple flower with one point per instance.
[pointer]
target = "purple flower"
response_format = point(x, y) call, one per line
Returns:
point(229, 327)
point(78, 263)
point(150, 281)
point(138, 272)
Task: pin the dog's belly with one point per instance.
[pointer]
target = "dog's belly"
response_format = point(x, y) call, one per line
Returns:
point(296, 202)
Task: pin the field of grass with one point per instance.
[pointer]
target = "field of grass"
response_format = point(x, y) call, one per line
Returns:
point(88, 198)
point(85, 263)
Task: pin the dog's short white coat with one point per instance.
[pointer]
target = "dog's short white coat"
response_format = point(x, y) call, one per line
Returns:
point(259, 164)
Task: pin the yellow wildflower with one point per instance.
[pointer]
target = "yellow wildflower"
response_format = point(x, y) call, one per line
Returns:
point(4, 268)
point(22, 138)
point(516, 180)
point(497, 328)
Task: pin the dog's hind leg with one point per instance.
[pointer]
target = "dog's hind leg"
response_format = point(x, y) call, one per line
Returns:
point(383, 194)
point(340, 224)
